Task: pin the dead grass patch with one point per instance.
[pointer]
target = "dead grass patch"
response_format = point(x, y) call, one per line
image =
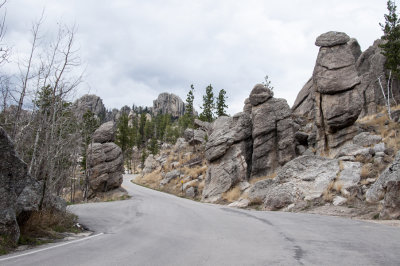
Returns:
point(331, 190)
point(389, 130)
point(47, 224)
point(195, 172)
point(152, 179)
point(232, 195)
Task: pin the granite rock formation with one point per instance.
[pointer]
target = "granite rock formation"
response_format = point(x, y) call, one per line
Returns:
point(168, 103)
point(272, 132)
point(228, 153)
point(105, 160)
point(90, 102)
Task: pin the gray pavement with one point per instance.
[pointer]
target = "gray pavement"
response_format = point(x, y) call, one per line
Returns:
point(154, 228)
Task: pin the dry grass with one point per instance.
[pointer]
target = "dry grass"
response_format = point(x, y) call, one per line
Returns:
point(196, 171)
point(232, 195)
point(152, 179)
point(327, 195)
point(48, 224)
point(369, 171)
point(387, 129)
point(255, 180)
point(364, 159)
point(333, 188)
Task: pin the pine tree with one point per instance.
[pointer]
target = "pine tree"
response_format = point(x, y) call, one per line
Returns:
point(391, 48)
point(221, 103)
point(208, 105)
point(88, 126)
point(123, 136)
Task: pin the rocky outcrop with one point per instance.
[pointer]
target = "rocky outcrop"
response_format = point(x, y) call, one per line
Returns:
point(150, 164)
point(228, 153)
point(168, 103)
point(332, 96)
point(105, 160)
point(90, 102)
point(338, 102)
point(20, 194)
point(272, 133)
point(371, 66)
point(392, 173)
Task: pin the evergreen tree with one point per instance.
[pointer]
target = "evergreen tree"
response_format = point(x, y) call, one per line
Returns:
point(153, 147)
point(208, 105)
point(88, 126)
point(189, 116)
point(221, 103)
point(123, 136)
point(391, 48)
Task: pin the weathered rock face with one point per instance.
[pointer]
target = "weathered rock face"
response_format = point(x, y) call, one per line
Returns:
point(169, 104)
point(391, 201)
point(19, 192)
point(370, 66)
point(105, 160)
point(377, 191)
point(90, 102)
point(228, 153)
point(273, 136)
point(304, 178)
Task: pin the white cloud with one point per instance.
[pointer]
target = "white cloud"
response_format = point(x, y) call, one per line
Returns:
point(136, 49)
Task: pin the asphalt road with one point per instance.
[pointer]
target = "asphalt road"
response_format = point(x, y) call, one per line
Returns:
point(154, 228)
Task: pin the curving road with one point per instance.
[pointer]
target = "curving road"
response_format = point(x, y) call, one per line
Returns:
point(154, 228)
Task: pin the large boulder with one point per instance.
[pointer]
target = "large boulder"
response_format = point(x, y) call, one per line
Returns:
point(273, 133)
point(332, 38)
point(392, 173)
point(168, 103)
point(20, 194)
point(105, 133)
point(304, 178)
point(260, 94)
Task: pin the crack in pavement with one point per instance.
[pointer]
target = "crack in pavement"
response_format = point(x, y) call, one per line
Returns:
point(298, 251)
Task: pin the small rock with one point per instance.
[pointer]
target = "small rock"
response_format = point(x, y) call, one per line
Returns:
point(169, 176)
point(242, 203)
point(189, 184)
point(380, 154)
point(337, 200)
point(380, 147)
point(191, 192)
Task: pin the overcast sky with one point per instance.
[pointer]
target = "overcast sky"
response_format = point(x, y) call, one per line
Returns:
point(134, 50)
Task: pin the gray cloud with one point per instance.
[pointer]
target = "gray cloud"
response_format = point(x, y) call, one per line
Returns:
point(136, 49)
